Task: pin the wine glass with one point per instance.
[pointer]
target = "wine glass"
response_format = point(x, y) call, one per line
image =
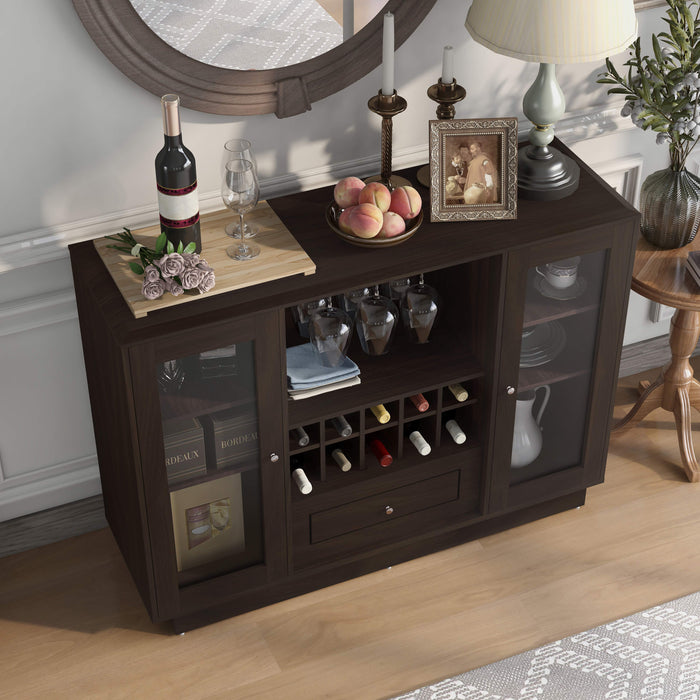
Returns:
point(376, 320)
point(330, 331)
point(239, 149)
point(240, 192)
point(419, 309)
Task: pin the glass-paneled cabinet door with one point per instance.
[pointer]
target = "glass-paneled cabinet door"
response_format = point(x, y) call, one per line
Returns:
point(212, 468)
point(551, 417)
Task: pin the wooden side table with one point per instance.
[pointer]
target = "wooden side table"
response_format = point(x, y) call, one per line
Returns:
point(660, 275)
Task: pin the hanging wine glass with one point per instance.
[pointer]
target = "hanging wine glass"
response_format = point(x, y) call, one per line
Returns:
point(352, 298)
point(330, 331)
point(240, 193)
point(419, 310)
point(239, 149)
point(302, 314)
point(376, 320)
point(396, 289)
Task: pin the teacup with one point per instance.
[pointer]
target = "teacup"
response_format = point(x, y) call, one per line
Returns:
point(562, 273)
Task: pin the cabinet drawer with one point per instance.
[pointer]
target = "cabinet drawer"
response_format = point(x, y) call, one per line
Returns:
point(384, 507)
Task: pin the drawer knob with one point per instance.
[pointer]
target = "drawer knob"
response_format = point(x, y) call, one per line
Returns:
point(388, 510)
point(510, 390)
point(274, 457)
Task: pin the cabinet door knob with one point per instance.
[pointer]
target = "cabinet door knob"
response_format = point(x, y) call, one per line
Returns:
point(510, 390)
point(388, 510)
point(274, 457)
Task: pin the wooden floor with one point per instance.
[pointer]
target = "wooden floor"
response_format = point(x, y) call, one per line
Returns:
point(72, 625)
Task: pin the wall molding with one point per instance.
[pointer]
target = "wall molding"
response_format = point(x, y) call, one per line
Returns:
point(51, 243)
point(38, 311)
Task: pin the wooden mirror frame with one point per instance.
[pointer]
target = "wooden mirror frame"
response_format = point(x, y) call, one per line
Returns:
point(140, 54)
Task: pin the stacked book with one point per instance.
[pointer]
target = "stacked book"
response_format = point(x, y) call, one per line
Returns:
point(306, 376)
point(185, 455)
point(693, 265)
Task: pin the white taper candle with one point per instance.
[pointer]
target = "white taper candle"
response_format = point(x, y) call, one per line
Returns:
point(448, 65)
point(388, 55)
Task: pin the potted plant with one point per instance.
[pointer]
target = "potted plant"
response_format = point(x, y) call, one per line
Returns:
point(661, 93)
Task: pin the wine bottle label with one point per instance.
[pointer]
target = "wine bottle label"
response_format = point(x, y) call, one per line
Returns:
point(178, 208)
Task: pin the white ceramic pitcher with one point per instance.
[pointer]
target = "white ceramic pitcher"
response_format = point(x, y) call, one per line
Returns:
point(527, 434)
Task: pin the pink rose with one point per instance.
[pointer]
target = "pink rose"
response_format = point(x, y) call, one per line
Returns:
point(151, 274)
point(173, 287)
point(153, 290)
point(171, 264)
point(190, 278)
point(207, 282)
point(191, 259)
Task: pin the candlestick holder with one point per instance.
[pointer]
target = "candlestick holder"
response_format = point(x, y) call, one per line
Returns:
point(446, 95)
point(387, 106)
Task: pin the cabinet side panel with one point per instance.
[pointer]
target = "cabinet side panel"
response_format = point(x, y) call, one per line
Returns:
point(115, 436)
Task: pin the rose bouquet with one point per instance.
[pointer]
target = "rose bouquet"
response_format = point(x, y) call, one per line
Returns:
point(165, 268)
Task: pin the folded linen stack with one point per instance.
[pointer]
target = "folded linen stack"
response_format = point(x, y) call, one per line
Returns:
point(306, 376)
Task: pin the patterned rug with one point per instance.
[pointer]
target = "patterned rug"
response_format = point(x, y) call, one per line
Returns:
point(243, 34)
point(652, 654)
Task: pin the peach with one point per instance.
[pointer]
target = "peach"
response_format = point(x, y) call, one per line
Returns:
point(347, 191)
point(344, 220)
point(376, 193)
point(406, 202)
point(393, 225)
point(365, 220)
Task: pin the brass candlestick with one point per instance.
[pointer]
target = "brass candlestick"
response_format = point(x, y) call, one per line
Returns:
point(446, 95)
point(387, 106)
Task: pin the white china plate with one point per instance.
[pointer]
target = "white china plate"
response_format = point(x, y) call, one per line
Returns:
point(571, 292)
point(542, 345)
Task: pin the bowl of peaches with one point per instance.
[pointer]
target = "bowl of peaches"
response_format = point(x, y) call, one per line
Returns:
point(370, 214)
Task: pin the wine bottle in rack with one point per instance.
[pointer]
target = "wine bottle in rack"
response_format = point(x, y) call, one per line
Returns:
point(419, 442)
point(458, 391)
point(456, 433)
point(341, 460)
point(420, 402)
point(380, 413)
point(342, 427)
point(176, 178)
point(381, 453)
point(299, 476)
point(302, 436)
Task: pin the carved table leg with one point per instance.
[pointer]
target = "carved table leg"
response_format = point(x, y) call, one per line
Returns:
point(675, 390)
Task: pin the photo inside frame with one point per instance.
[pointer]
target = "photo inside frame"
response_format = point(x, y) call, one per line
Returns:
point(472, 166)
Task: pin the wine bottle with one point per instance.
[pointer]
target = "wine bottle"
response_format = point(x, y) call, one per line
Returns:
point(302, 436)
point(380, 413)
point(381, 453)
point(341, 460)
point(176, 177)
point(343, 428)
point(456, 432)
point(420, 402)
point(299, 476)
point(459, 392)
point(420, 443)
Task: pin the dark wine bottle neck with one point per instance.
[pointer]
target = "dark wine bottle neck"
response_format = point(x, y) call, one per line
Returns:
point(173, 141)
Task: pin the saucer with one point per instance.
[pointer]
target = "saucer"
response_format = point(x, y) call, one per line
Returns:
point(570, 292)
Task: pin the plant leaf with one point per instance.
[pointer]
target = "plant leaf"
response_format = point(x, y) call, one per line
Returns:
point(135, 267)
point(170, 247)
point(161, 242)
point(190, 247)
point(179, 247)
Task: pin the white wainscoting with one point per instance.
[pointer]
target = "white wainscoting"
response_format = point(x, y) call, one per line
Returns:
point(47, 454)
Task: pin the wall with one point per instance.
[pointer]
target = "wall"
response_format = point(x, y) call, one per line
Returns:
point(79, 142)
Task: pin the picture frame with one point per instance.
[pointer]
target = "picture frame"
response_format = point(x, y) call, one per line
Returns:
point(486, 191)
point(208, 521)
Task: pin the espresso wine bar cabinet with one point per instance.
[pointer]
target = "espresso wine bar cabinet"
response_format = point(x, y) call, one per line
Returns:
point(197, 435)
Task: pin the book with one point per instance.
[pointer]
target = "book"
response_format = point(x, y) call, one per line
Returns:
point(231, 437)
point(185, 452)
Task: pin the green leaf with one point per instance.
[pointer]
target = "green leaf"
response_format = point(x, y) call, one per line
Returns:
point(161, 242)
point(170, 248)
point(179, 247)
point(190, 247)
point(657, 48)
point(135, 267)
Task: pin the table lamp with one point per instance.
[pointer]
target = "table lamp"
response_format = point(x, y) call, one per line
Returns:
point(550, 32)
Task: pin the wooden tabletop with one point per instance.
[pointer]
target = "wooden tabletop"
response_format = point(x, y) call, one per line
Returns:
point(660, 275)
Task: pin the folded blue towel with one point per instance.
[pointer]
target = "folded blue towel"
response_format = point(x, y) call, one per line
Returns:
point(305, 371)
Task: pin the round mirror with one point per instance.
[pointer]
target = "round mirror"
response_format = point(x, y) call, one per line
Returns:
point(242, 58)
